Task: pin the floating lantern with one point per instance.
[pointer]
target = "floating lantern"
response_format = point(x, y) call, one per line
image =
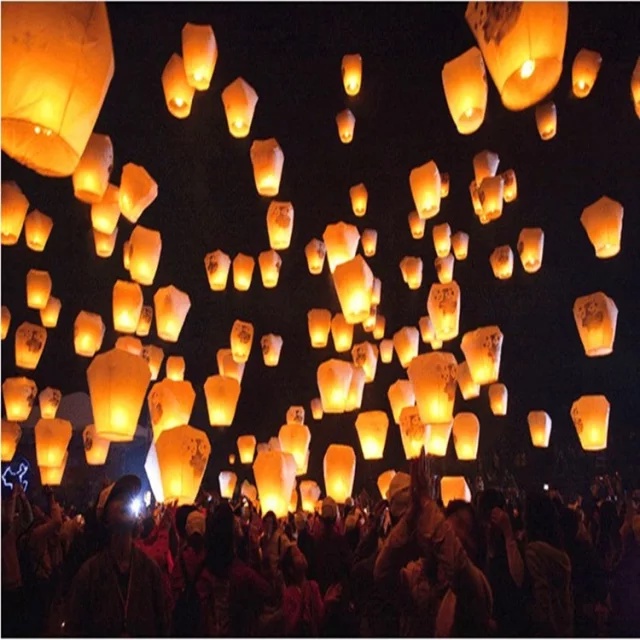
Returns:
point(539, 428)
point(426, 190)
point(546, 120)
point(18, 394)
point(531, 248)
point(174, 368)
point(400, 395)
point(127, 306)
point(414, 433)
point(57, 66)
point(153, 356)
point(444, 268)
point(454, 488)
point(30, 342)
point(170, 405)
point(468, 388)
point(376, 292)
point(372, 430)
point(585, 69)
point(369, 241)
point(405, 342)
point(129, 344)
point(228, 367)
point(91, 176)
point(309, 495)
point(137, 191)
point(14, 210)
point(243, 266)
point(443, 306)
point(365, 356)
point(106, 212)
point(144, 323)
point(52, 438)
point(222, 394)
point(334, 381)
point(38, 288)
point(339, 466)
point(359, 197)
point(271, 345)
point(342, 333)
point(145, 246)
point(635, 87)
point(88, 332)
point(275, 474)
point(522, 46)
point(270, 263)
point(491, 192)
point(246, 448)
point(217, 264)
point(37, 229)
point(482, 349)
point(11, 434)
point(416, 225)
point(341, 242)
point(596, 317)
point(178, 93)
point(386, 351)
point(6, 321)
point(379, 328)
point(498, 399)
point(442, 239)
point(50, 314)
point(466, 434)
point(501, 260)
point(52, 476)
point(465, 87)
point(438, 439)
point(105, 243)
point(200, 53)
point(411, 268)
point(239, 100)
point(346, 123)
point(436, 344)
point(126, 254)
point(267, 159)
point(384, 482)
point(280, 224)
point(427, 332)
point(241, 340)
point(356, 389)
point(319, 323)
point(49, 401)
point(445, 182)
point(294, 438)
point(315, 253)
point(475, 198)
point(96, 449)
point(352, 73)
point(227, 481)
point(354, 281)
point(510, 190)
point(171, 308)
point(590, 415)
point(485, 165)
point(433, 376)
point(317, 411)
point(249, 491)
point(602, 221)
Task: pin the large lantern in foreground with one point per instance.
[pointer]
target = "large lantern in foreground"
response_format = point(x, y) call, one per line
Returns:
point(30, 342)
point(14, 210)
point(466, 434)
point(49, 401)
point(352, 73)
point(11, 434)
point(602, 221)
point(38, 288)
point(267, 159)
point(127, 301)
point(539, 428)
point(531, 248)
point(88, 333)
point(246, 448)
point(372, 431)
point(401, 395)
point(96, 449)
point(433, 376)
point(18, 394)
point(426, 189)
point(280, 217)
point(239, 100)
point(354, 282)
point(222, 394)
point(334, 380)
point(275, 474)
point(498, 399)
point(590, 415)
point(443, 306)
point(339, 472)
point(596, 317)
point(137, 191)
point(454, 488)
point(217, 264)
point(52, 439)
point(482, 349)
point(37, 229)
point(585, 69)
point(171, 308)
point(200, 53)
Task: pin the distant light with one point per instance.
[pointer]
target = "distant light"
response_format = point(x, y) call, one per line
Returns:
point(527, 69)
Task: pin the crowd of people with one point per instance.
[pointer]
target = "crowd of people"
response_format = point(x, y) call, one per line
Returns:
point(503, 565)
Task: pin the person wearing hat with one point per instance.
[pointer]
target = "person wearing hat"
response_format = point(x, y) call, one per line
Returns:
point(118, 592)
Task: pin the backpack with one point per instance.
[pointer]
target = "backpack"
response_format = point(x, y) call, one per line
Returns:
point(187, 612)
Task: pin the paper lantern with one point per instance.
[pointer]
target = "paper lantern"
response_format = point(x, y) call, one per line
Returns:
point(414, 433)
point(334, 380)
point(118, 384)
point(590, 415)
point(38, 288)
point(241, 340)
point(56, 69)
point(376, 291)
point(427, 332)
point(170, 405)
point(585, 69)
point(359, 196)
point(491, 194)
point(369, 323)
point(217, 264)
point(339, 466)
point(96, 449)
point(444, 268)
point(37, 228)
point(346, 123)
point(144, 323)
point(416, 225)
point(635, 87)
point(105, 243)
point(539, 428)
point(50, 314)
point(249, 491)
point(267, 159)
point(274, 445)
point(18, 394)
point(596, 317)
point(6, 321)
point(228, 367)
point(442, 239)
point(129, 344)
point(91, 176)
point(294, 439)
point(275, 474)
point(465, 87)
point(315, 253)
point(485, 165)
point(171, 308)
point(243, 266)
point(175, 368)
point(401, 395)
point(11, 434)
point(356, 389)
point(522, 46)
point(309, 495)
point(438, 438)
point(454, 488)
point(433, 376)
point(295, 414)
point(531, 248)
point(354, 281)
point(227, 481)
point(270, 263)
point(498, 399)
point(126, 254)
point(88, 333)
point(482, 349)
point(443, 306)
point(501, 260)
point(52, 437)
point(602, 221)
point(411, 269)
point(546, 120)
point(14, 210)
point(466, 434)
point(145, 246)
point(49, 401)
point(468, 388)
point(178, 93)
point(352, 73)
point(106, 212)
point(182, 454)
point(280, 217)
point(319, 323)
point(200, 53)
point(426, 190)
point(365, 356)
point(246, 448)
point(369, 241)
point(386, 351)
point(271, 345)
point(30, 342)
point(239, 100)
point(342, 333)
point(475, 198)
point(127, 306)
point(52, 476)
point(153, 356)
point(379, 327)
point(341, 242)
point(316, 409)
point(222, 394)
point(372, 431)
point(405, 342)
point(384, 482)
point(137, 191)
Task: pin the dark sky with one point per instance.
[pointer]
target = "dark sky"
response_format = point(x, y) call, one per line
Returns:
point(291, 55)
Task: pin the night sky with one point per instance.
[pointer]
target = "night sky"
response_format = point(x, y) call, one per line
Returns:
point(291, 54)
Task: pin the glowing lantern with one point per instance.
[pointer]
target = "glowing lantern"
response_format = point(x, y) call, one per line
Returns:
point(144, 323)
point(346, 123)
point(315, 253)
point(178, 93)
point(271, 347)
point(531, 248)
point(444, 268)
point(414, 433)
point(379, 327)
point(200, 53)
point(267, 159)
point(411, 268)
point(145, 246)
point(129, 344)
point(359, 197)
point(547, 120)
point(602, 221)
point(241, 341)
point(466, 434)
point(91, 176)
point(522, 46)
point(454, 488)
point(468, 388)
point(11, 434)
point(442, 239)
point(482, 349)
point(405, 342)
point(49, 401)
point(275, 474)
point(126, 254)
point(384, 482)
point(596, 317)
point(339, 472)
point(365, 356)
point(106, 212)
point(294, 439)
point(319, 323)
point(88, 332)
point(217, 264)
point(137, 191)
point(52, 476)
point(475, 198)
point(96, 449)
point(309, 495)
point(334, 380)
point(438, 439)
point(465, 87)
point(372, 430)
point(170, 405)
point(386, 351)
point(222, 394)
point(6, 321)
point(356, 389)
point(270, 263)
point(590, 415)
point(50, 314)
point(426, 190)
point(243, 266)
point(153, 356)
point(400, 395)
point(433, 376)
point(485, 165)
point(105, 243)
point(227, 481)
point(127, 306)
point(249, 491)
point(443, 306)
point(52, 438)
point(38, 288)
point(445, 182)
point(14, 209)
point(341, 242)
point(246, 448)
point(274, 445)
point(228, 367)
point(498, 399)
point(354, 281)
point(171, 308)
point(37, 228)
point(427, 332)
point(635, 87)
point(376, 292)
point(18, 394)
point(369, 242)
point(539, 428)
point(30, 342)
point(369, 323)
point(501, 260)
point(175, 368)
point(183, 454)
point(295, 414)
point(352, 73)
point(239, 100)
point(585, 69)
point(416, 225)
point(491, 192)
point(280, 217)
point(342, 333)
point(316, 409)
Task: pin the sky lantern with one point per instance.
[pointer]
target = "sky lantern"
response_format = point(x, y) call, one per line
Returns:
point(171, 308)
point(130, 344)
point(584, 72)
point(14, 210)
point(359, 196)
point(482, 349)
point(241, 340)
point(315, 252)
point(271, 346)
point(309, 495)
point(416, 225)
point(334, 380)
point(438, 437)
point(317, 412)
point(602, 221)
point(267, 159)
point(369, 241)
point(178, 93)
point(50, 314)
point(96, 449)
point(468, 388)
point(386, 351)
point(352, 73)
point(465, 87)
point(319, 323)
point(243, 266)
point(249, 491)
point(145, 246)
point(411, 269)
point(596, 317)
point(217, 264)
point(427, 332)
point(222, 394)
point(57, 66)
point(246, 448)
point(523, 46)
point(170, 405)
point(52, 476)
point(126, 254)
point(37, 229)
point(153, 356)
point(405, 342)
point(356, 389)
point(539, 428)
point(11, 434)
point(105, 243)
point(200, 53)
point(91, 176)
point(227, 481)
point(280, 217)
point(6, 321)
point(228, 367)
point(88, 333)
point(353, 281)
point(137, 191)
point(376, 291)
point(547, 120)
point(445, 184)
point(498, 399)
point(372, 431)
point(365, 356)
point(426, 189)
point(491, 194)
point(442, 239)
point(531, 248)
point(49, 401)
point(379, 327)
point(443, 306)
point(454, 488)
point(501, 260)
point(444, 268)
point(118, 384)
point(346, 123)
point(18, 394)
point(144, 323)
point(369, 323)
point(401, 395)
point(433, 376)
point(635, 87)
point(152, 469)
point(30, 342)
point(52, 438)
point(341, 242)
point(510, 189)
point(294, 439)
point(485, 165)
point(275, 474)
point(38, 288)
point(384, 482)
point(466, 434)
point(239, 100)
point(413, 432)
point(106, 213)
point(475, 199)
point(339, 466)
point(174, 368)
point(270, 263)
point(590, 415)
point(127, 306)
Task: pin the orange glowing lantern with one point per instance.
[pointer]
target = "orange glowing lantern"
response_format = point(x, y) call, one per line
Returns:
point(386, 351)
point(309, 495)
point(369, 242)
point(433, 376)
point(501, 260)
point(482, 349)
point(52, 438)
point(14, 210)
point(243, 267)
point(635, 87)
point(372, 429)
point(227, 481)
point(267, 159)
point(18, 394)
point(334, 380)
point(445, 183)
point(585, 69)
point(178, 93)
point(145, 246)
point(346, 123)
point(239, 100)
point(129, 344)
point(153, 356)
point(376, 292)
point(241, 340)
point(379, 327)
point(339, 472)
point(414, 433)
point(547, 120)
point(106, 212)
point(29, 345)
point(137, 191)
point(88, 332)
point(359, 196)
point(400, 395)
point(170, 405)
point(352, 73)
point(38, 288)
point(438, 439)
point(498, 399)
point(341, 242)
point(105, 243)
point(275, 474)
point(127, 306)
point(444, 268)
point(384, 482)
point(96, 449)
point(200, 53)
point(49, 401)
point(280, 217)
point(491, 194)
point(315, 252)
point(126, 254)
point(356, 389)
point(485, 165)
point(354, 282)
point(442, 239)
point(91, 176)
point(246, 448)
point(294, 438)
point(319, 323)
point(365, 356)
point(6, 321)
point(270, 263)
point(454, 488)
point(539, 428)
point(228, 367)
point(271, 345)
point(531, 249)
point(50, 314)
point(466, 434)
point(37, 229)
point(468, 388)
point(222, 394)
point(427, 332)
point(602, 221)
point(405, 342)
point(426, 190)
point(443, 306)
point(217, 263)
point(11, 434)
point(342, 333)
point(416, 225)
point(596, 317)
point(144, 324)
point(174, 368)
point(316, 409)
point(171, 308)
point(590, 415)
point(411, 268)
point(52, 476)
